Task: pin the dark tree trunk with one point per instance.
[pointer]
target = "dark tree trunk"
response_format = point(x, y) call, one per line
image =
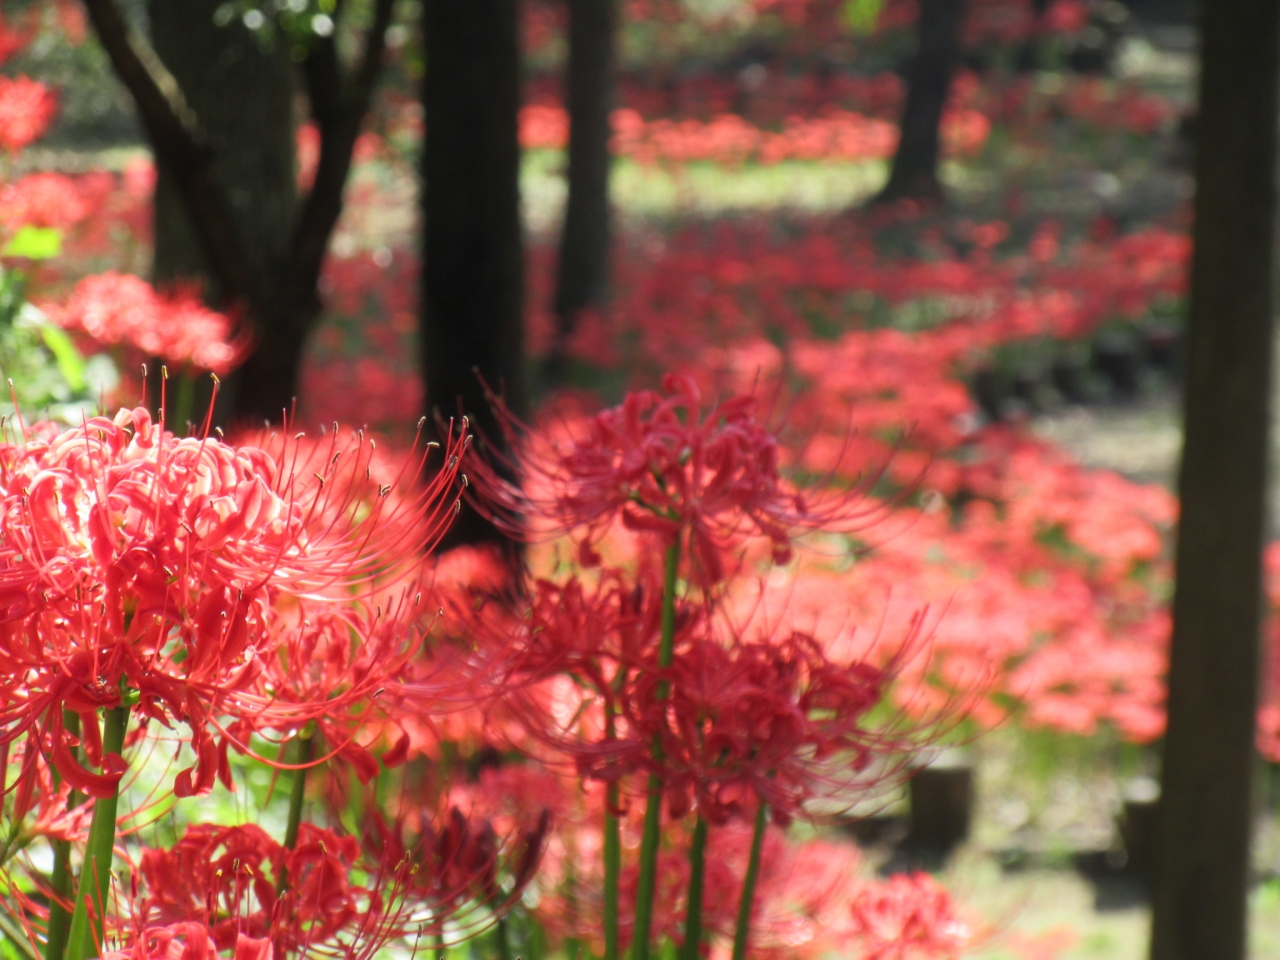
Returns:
point(243, 98)
point(472, 293)
point(583, 280)
point(1201, 863)
point(915, 162)
point(221, 126)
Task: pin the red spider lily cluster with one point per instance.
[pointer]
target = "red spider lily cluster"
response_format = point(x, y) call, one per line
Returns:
point(116, 309)
point(714, 291)
point(225, 599)
point(837, 136)
point(1053, 577)
point(638, 673)
point(218, 889)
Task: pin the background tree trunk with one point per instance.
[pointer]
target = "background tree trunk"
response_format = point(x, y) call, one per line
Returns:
point(583, 279)
point(472, 294)
point(1202, 859)
point(243, 96)
point(915, 162)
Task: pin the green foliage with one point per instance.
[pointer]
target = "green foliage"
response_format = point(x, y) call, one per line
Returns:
point(861, 16)
point(34, 243)
point(50, 377)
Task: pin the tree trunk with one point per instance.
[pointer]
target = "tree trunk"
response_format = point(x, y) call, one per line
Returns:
point(583, 280)
point(243, 96)
point(472, 294)
point(915, 162)
point(266, 385)
point(1202, 860)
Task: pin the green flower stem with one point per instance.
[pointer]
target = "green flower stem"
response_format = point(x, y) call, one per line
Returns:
point(612, 866)
point(647, 879)
point(302, 753)
point(184, 404)
point(83, 941)
point(743, 932)
point(504, 941)
point(697, 870)
point(60, 881)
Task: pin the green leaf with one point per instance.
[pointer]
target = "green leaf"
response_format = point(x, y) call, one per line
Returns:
point(861, 16)
point(13, 288)
point(70, 363)
point(35, 243)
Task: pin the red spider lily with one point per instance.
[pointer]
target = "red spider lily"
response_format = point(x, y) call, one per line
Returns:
point(455, 867)
point(908, 917)
point(591, 630)
point(131, 555)
point(664, 466)
point(26, 107)
point(209, 876)
point(571, 654)
point(774, 722)
point(115, 308)
point(353, 694)
point(189, 941)
point(222, 883)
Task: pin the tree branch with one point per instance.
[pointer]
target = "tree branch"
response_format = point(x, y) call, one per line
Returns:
point(339, 129)
point(180, 143)
point(323, 74)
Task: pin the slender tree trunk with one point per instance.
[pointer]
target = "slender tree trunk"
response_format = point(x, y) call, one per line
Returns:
point(583, 280)
point(915, 163)
point(243, 97)
point(1202, 858)
point(472, 294)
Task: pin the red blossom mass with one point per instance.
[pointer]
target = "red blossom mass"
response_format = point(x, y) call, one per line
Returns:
point(776, 722)
point(666, 464)
point(909, 917)
point(114, 308)
point(219, 886)
point(134, 560)
point(26, 109)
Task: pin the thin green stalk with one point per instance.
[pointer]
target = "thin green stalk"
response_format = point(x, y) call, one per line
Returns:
point(184, 403)
point(536, 943)
point(645, 883)
point(612, 837)
point(302, 753)
point(697, 871)
point(504, 942)
point(60, 881)
point(83, 940)
point(612, 871)
point(743, 931)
